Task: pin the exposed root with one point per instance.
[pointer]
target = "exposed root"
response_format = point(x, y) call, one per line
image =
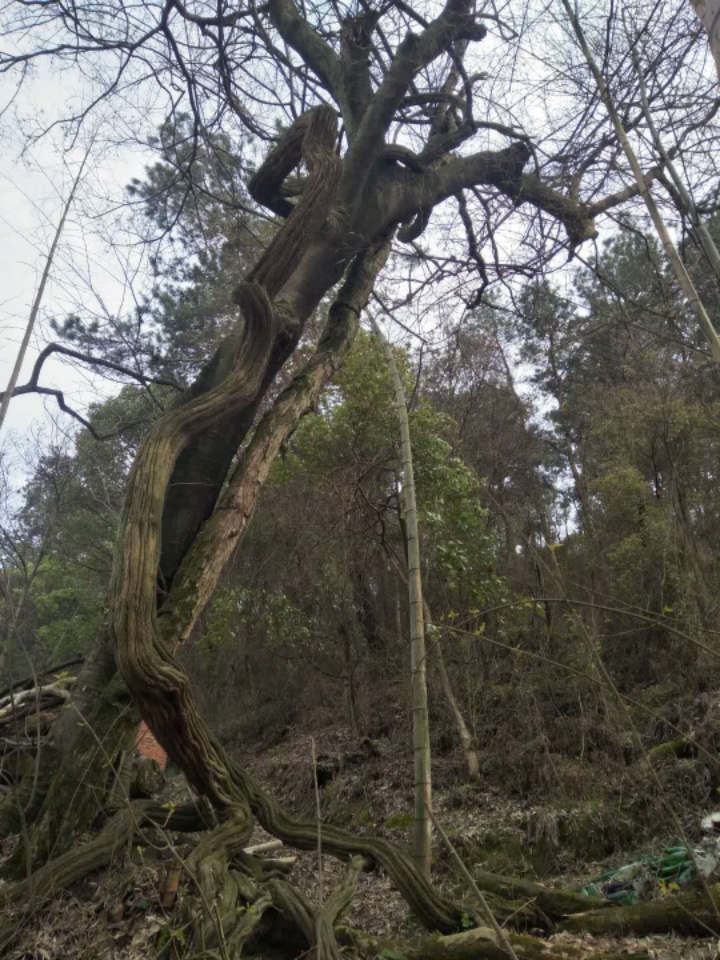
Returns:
point(317, 926)
point(521, 903)
point(433, 910)
point(214, 919)
point(123, 829)
point(341, 897)
point(239, 904)
point(234, 891)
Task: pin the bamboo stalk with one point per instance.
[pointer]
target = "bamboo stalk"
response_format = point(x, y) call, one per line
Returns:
point(698, 226)
point(37, 302)
point(422, 825)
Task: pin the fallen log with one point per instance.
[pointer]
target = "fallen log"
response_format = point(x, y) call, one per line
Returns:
point(480, 943)
point(680, 748)
point(32, 680)
point(688, 914)
point(556, 904)
point(51, 691)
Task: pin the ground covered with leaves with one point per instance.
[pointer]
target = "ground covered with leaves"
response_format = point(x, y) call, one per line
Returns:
point(118, 913)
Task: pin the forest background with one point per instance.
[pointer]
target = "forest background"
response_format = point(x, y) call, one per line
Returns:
point(564, 423)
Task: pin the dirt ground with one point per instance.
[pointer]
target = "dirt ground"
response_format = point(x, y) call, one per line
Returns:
point(116, 914)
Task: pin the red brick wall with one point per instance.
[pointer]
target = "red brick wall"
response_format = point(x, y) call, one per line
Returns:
point(148, 745)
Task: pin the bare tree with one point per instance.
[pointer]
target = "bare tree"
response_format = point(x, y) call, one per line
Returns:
point(644, 189)
point(380, 107)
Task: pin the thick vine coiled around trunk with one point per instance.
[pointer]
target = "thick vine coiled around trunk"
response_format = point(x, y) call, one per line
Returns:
point(155, 678)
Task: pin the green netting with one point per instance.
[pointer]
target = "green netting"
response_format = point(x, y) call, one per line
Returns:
point(636, 881)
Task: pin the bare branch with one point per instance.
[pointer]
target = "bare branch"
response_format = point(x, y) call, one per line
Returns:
point(308, 44)
point(415, 52)
point(35, 309)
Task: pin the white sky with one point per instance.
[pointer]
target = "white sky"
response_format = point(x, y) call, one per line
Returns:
point(33, 190)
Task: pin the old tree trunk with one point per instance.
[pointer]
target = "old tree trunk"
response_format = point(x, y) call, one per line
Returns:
point(194, 483)
point(709, 13)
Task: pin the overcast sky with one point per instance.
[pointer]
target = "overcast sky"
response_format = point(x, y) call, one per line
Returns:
point(33, 190)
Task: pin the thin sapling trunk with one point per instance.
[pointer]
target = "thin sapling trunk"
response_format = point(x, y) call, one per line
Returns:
point(422, 825)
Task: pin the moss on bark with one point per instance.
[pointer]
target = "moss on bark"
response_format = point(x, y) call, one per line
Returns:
point(72, 789)
point(556, 904)
point(477, 944)
point(687, 914)
point(65, 793)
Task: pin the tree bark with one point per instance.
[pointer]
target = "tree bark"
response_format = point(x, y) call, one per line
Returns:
point(144, 648)
point(687, 914)
point(481, 943)
point(709, 13)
